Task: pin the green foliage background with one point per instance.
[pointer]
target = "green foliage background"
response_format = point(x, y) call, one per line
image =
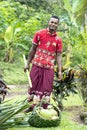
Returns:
point(25, 17)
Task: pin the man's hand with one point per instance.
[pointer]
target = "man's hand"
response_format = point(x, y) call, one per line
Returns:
point(26, 68)
point(59, 76)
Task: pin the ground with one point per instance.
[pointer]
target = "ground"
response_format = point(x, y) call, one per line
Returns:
point(16, 90)
point(76, 111)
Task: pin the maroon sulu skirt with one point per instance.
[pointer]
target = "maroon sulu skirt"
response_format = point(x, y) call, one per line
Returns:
point(42, 81)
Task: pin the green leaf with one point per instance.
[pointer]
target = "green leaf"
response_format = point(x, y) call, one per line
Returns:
point(78, 5)
point(8, 34)
point(22, 46)
point(67, 5)
point(15, 109)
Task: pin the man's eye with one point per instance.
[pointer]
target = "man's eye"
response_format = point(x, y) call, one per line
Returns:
point(54, 22)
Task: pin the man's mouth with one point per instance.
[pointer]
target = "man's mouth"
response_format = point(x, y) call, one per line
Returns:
point(52, 27)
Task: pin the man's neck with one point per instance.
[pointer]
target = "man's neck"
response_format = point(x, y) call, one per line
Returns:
point(52, 31)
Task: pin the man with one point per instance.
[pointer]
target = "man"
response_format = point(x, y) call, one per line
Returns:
point(46, 48)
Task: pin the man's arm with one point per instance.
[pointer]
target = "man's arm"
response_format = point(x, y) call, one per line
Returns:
point(30, 56)
point(59, 63)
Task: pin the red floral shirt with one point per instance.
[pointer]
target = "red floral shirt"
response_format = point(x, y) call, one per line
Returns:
point(47, 47)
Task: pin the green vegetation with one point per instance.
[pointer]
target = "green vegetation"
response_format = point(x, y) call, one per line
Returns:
point(19, 20)
point(13, 73)
point(68, 118)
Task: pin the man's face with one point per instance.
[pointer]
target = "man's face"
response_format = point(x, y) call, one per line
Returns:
point(53, 24)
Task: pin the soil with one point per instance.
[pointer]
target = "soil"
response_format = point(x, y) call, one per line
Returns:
point(17, 90)
point(74, 110)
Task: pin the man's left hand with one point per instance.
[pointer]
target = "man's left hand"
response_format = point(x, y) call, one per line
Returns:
point(59, 76)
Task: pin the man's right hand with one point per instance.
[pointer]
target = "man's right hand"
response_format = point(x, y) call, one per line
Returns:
point(26, 68)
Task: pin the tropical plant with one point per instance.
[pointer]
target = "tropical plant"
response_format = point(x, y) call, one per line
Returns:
point(82, 86)
point(63, 88)
point(74, 25)
point(9, 113)
point(20, 24)
point(37, 5)
point(3, 90)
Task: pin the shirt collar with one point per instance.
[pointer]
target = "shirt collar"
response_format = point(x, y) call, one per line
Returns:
point(48, 32)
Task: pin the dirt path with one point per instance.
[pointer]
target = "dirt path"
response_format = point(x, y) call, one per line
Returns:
point(16, 90)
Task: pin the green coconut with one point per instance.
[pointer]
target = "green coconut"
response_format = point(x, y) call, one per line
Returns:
point(40, 117)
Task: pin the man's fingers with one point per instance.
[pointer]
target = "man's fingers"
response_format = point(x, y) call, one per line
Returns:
point(26, 68)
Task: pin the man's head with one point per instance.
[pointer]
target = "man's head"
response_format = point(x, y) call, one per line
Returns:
point(53, 23)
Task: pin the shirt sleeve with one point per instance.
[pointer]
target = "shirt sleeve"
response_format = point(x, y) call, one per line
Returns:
point(36, 38)
point(59, 45)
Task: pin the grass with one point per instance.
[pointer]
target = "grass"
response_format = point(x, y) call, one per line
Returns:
point(73, 100)
point(12, 73)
